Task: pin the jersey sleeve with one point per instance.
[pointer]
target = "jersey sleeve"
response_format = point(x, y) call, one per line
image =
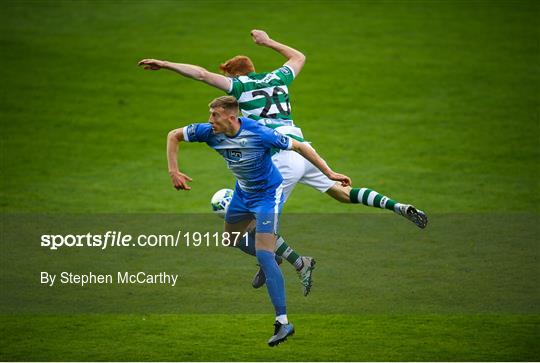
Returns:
point(237, 87)
point(197, 132)
point(285, 73)
point(273, 139)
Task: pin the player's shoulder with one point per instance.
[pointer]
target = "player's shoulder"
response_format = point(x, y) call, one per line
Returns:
point(262, 131)
point(200, 127)
point(259, 80)
point(251, 77)
point(252, 126)
point(249, 124)
point(198, 131)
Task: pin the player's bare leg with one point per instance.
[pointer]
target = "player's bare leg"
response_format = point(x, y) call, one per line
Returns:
point(340, 193)
point(239, 227)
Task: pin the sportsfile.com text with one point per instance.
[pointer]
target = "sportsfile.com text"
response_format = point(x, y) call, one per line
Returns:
point(120, 239)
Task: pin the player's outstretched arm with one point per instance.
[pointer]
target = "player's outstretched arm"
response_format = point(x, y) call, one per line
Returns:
point(178, 179)
point(189, 70)
point(295, 58)
point(310, 154)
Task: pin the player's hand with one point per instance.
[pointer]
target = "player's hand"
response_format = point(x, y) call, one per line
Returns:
point(344, 179)
point(152, 64)
point(180, 180)
point(260, 37)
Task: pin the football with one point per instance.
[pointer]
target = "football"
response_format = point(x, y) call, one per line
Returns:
point(220, 201)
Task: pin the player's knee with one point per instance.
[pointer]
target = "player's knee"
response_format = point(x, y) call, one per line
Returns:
point(265, 241)
point(339, 193)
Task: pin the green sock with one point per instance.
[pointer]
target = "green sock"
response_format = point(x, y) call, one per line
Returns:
point(285, 251)
point(373, 199)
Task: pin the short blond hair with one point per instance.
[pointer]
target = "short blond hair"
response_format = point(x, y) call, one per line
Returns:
point(228, 103)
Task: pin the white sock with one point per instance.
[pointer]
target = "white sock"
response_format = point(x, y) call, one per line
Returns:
point(282, 319)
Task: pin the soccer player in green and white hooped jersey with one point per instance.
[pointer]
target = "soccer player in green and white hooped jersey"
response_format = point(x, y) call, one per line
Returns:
point(265, 98)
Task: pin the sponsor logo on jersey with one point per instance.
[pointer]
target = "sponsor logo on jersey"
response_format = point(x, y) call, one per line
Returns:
point(234, 155)
point(268, 78)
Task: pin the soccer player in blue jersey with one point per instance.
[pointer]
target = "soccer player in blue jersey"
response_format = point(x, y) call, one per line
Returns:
point(265, 97)
point(246, 147)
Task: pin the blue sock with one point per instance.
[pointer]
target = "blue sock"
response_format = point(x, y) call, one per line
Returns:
point(274, 280)
point(249, 245)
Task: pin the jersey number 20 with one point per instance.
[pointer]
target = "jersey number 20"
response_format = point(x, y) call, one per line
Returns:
point(274, 97)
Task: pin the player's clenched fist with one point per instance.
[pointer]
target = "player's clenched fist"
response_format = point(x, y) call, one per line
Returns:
point(152, 64)
point(260, 37)
point(180, 180)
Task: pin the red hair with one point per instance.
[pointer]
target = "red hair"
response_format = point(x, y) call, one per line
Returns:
point(237, 66)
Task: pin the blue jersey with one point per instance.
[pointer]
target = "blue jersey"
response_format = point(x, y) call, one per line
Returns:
point(247, 153)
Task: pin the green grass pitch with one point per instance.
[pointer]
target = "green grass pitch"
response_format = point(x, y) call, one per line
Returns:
point(433, 102)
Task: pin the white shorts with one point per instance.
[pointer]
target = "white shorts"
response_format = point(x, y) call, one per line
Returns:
point(296, 169)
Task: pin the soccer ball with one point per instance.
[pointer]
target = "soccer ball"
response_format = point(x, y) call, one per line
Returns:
point(220, 201)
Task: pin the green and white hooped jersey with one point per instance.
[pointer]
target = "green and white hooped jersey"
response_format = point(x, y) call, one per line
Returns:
point(264, 97)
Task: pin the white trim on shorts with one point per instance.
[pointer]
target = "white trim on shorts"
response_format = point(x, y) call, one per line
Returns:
point(279, 192)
